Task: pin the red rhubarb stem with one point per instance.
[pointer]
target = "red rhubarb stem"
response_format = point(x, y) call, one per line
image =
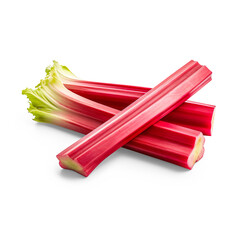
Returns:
point(84, 155)
point(173, 143)
point(197, 116)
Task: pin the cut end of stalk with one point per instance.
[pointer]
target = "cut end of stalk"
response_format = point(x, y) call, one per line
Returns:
point(197, 151)
point(67, 163)
point(212, 122)
point(201, 154)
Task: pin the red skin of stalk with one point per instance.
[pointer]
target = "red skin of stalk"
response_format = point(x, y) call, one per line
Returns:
point(197, 116)
point(172, 143)
point(92, 149)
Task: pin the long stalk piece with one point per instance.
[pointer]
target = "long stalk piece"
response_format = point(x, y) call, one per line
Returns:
point(84, 155)
point(171, 143)
point(197, 116)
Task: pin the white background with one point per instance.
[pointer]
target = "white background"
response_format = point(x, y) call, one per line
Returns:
point(129, 196)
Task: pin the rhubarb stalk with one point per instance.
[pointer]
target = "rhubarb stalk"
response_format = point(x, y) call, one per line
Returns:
point(197, 116)
point(174, 144)
point(88, 152)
